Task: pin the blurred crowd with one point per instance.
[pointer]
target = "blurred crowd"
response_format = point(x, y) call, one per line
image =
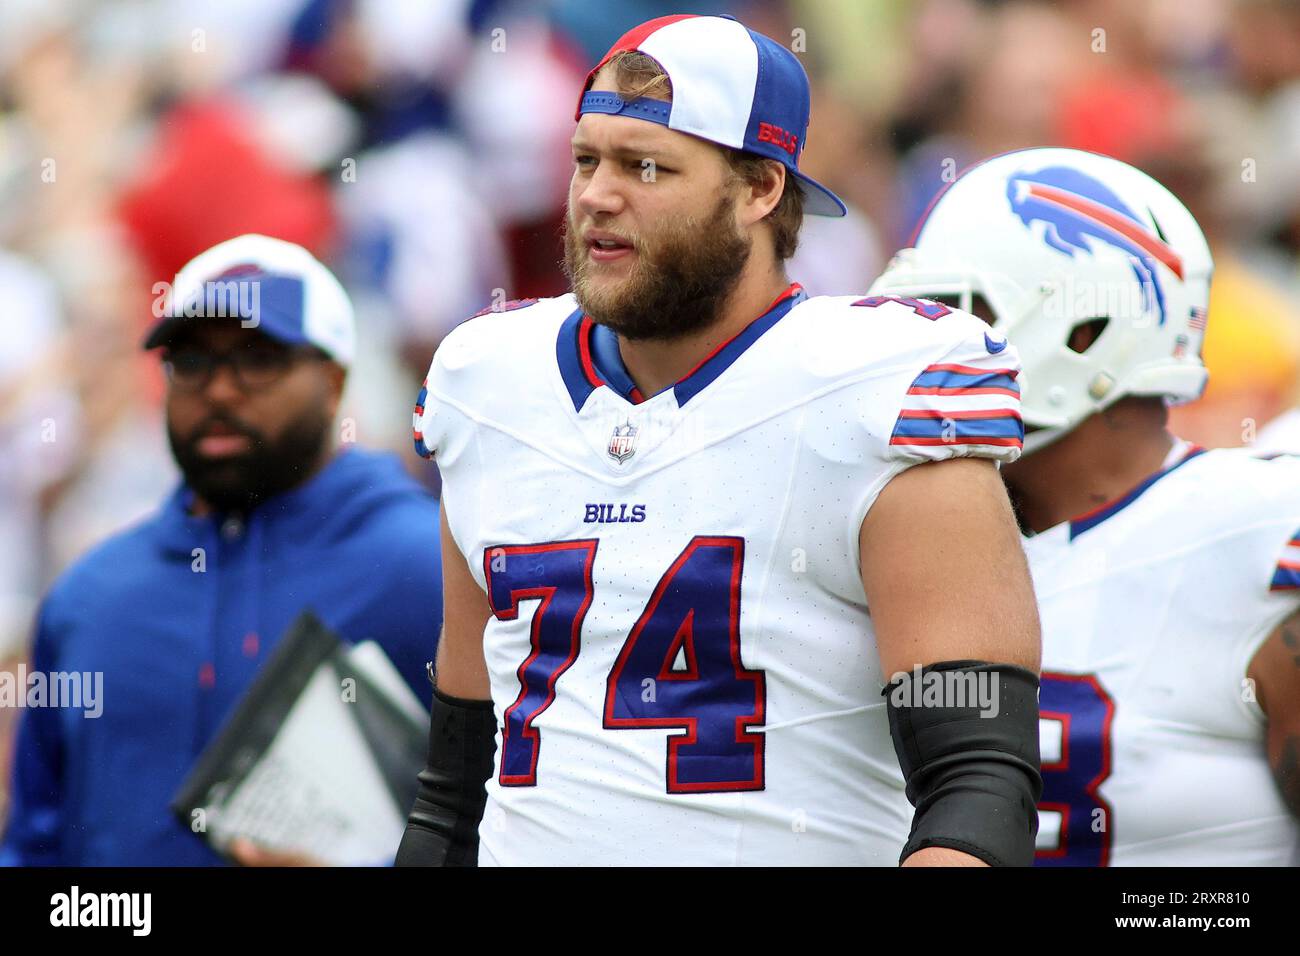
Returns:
point(421, 148)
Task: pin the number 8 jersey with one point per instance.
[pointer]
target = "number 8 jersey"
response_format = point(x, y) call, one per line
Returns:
point(681, 658)
point(1153, 606)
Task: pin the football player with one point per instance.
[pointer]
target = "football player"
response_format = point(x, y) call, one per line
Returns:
point(1168, 576)
point(696, 519)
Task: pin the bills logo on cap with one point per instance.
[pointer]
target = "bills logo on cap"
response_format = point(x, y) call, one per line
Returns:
point(767, 133)
point(278, 288)
point(622, 443)
point(731, 86)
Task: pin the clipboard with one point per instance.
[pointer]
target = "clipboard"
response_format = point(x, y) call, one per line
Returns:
point(319, 757)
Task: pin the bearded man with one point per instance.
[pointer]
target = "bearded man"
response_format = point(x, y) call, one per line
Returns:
point(174, 618)
point(693, 520)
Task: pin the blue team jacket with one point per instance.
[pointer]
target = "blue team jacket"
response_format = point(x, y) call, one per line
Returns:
point(177, 646)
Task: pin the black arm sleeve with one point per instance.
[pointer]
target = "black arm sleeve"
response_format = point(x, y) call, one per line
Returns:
point(971, 766)
point(442, 829)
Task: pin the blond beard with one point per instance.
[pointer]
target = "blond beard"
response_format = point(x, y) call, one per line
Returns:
point(678, 282)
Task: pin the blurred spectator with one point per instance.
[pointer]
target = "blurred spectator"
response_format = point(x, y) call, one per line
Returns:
point(39, 420)
point(1005, 93)
point(399, 190)
point(208, 178)
point(836, 256)
point(168, 623)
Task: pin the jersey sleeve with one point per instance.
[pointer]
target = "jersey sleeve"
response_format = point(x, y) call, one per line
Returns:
point(965, 404)
point(1286, 571)
point(419, 421)
point(440, 430)
point(1258, 555)
point(1267, 521)
point(465, 378)
point(444, 410)
point(931, 383)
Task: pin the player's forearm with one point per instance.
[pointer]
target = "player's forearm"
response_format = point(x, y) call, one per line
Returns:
point(1284, 758)
point(966, 735)
point(942, 856)
point(1275, 671)
point(442, 829)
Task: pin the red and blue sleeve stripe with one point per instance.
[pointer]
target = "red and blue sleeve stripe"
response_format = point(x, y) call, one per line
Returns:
point(1286, 576)
point(994, 426)
point(421, 448)
point(946, 379)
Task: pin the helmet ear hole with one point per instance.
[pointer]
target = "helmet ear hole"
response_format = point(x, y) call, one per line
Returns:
point(1084, 335)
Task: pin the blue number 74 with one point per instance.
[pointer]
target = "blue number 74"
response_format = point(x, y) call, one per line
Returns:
point(693, 616)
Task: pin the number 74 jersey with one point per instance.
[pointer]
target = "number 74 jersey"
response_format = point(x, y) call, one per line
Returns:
point(682, 663)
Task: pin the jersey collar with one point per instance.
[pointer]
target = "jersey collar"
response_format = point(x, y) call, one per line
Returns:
point(1181, 454)
point(589, 358)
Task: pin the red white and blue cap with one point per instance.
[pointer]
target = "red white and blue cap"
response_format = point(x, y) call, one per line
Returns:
point(276, 287)
point(731, 86)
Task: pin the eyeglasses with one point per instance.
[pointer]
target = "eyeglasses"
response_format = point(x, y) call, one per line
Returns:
point(192, 369)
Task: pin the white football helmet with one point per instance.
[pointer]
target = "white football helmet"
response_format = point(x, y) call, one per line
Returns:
point(1053, 239)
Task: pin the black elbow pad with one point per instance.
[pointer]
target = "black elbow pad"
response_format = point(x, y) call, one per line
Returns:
point(442, 829)
point(966, 735)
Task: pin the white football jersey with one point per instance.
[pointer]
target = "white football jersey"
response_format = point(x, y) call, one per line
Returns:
point(682, 663)
point(1152, 608)
point(1282, 434)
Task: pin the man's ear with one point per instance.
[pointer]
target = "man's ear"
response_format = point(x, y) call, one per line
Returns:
point(763, 193)
point(336, 377)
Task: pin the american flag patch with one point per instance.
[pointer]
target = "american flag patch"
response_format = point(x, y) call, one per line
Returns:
point(1286, 576)
point(1197, 320)
point(954, 405)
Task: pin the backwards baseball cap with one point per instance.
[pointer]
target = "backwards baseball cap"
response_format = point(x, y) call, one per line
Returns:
point(276, 287)
point(731, 86)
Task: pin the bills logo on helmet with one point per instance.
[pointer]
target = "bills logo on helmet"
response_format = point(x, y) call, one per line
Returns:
point(1074, 205)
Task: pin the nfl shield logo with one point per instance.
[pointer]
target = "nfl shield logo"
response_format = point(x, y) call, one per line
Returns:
point(622, 444)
